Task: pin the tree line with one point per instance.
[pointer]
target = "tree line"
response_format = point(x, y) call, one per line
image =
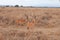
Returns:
point(10, 6)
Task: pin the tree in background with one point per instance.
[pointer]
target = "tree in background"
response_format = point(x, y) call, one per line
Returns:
point(16, 5)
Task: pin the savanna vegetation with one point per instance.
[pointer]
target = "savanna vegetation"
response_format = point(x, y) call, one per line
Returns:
point(29, 23)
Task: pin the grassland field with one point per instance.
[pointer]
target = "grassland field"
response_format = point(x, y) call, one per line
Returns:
point(45, 27)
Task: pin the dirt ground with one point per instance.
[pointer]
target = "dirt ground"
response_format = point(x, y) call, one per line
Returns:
point(29, 23)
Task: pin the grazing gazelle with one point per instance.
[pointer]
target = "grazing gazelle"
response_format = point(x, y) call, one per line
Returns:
point(30, 24)
point(31, 20)
point(21, 21)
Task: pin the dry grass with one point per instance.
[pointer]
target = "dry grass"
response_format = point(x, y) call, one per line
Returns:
point(29, 23)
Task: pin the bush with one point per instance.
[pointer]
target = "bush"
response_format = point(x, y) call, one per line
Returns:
point(21, 5)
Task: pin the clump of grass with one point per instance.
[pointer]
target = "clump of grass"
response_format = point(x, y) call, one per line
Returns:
point(1, 36)
point(6, 21)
